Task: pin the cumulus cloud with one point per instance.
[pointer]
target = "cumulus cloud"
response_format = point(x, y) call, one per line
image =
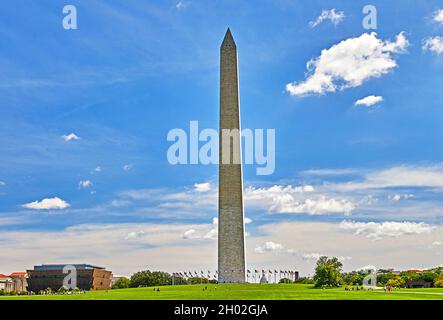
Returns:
point(204, 232)
point(433, 44)
point(349, 64)
point(202, 187)
point(288, 199)
point(268, 246)
point(334, 16)
point(369, 101)
point(70, 137)
point(318, 206)
point(85, 184)
point(379, 230)
point(47, 204)
point(276, 198)
point(438, 16)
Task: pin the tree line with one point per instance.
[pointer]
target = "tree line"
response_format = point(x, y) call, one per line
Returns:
point(149, 278)
point(328, 273)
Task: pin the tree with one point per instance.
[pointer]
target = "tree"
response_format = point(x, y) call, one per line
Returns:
point(148, 279)
point(328, 272)
point(197, 280)
point(397, 282)
point(121, 283)
point(438, 283)
point(355, 277)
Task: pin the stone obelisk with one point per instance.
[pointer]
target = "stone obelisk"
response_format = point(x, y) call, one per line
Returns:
point(231, 237)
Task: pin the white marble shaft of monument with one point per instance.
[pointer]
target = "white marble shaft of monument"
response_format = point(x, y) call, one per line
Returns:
point(231, 238)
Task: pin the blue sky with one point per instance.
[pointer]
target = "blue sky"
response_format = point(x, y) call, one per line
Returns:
point(132, 71)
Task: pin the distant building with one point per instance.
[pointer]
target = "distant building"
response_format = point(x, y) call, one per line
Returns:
point(6, 283)
point(89, 277)
point(418, 284)
point(20, 281)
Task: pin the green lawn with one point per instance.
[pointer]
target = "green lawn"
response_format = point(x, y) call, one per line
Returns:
point(244, 291)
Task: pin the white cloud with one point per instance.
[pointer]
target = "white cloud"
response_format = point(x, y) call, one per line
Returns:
point(436, 244)
point(2, 183)
point(349, 64)
point(398, 197)
point(47, 204)
point(311, 256)
point(438, 16)
point(398, 176)
point(378, 230)
point(318, 206)
point(367, 268)
point(211, 234)
point(202, 187)
point(273, 197)
point(180, 5)
point(120, 203)
point(434, 44)
point(85, 184)
point(70, 137)
point(334, 16)
point(268, 246)
point(369, 101)
point(207, 232)
point(98, 169)
point(188, 234)
point(127, 167)
point(330, 172)
point(134, 235)
point(315, 256)
point(247, 220)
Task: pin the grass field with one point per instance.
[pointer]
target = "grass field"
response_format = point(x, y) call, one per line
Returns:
point(243, 292)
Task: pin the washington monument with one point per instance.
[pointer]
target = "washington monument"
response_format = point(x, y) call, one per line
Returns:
point(231, 237)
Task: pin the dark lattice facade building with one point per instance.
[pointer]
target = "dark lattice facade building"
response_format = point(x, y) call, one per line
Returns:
point(88, 277)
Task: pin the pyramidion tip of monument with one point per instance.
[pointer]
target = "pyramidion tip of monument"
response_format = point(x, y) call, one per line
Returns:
point(228, 41)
